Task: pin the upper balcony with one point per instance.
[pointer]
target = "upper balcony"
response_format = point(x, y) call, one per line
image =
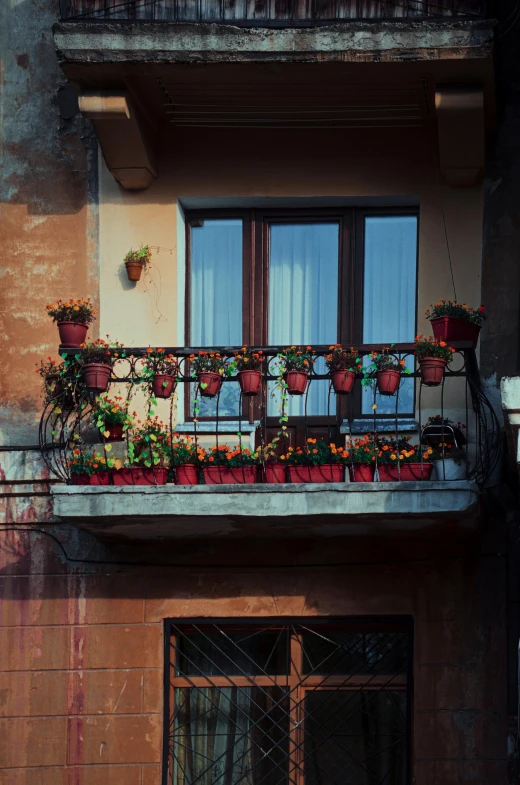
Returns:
point(429, 490)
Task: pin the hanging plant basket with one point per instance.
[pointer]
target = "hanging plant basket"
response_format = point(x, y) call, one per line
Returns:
point(97, 377)
point(115, 433)
point(388, 381)
point(275, 473)
point(235, 475)
point(329, 472)
point(250, 382)
point(212, 383)
point(449, 329)
point(72, 334)
point(187, 474)
point(432, 370)
point(163, 385)
point(343, 381)
point(361, 472)
point(134, 270)
point(296, 382)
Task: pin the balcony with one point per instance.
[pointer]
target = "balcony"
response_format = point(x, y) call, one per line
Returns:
point(120, 506)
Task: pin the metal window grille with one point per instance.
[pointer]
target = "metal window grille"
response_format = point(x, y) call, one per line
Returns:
point(290, 702)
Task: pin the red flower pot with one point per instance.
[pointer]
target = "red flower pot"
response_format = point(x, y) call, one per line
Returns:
point(330, 472)
point(343, 381)
point(275, 473)
point(388, 473)
point(187, 474)
point(101, 478)
point(212, 382)
point(134, 270)
point(163, 385)
point(432, 370)
point(296, 382)
point(115, 433)
point(235, 475)
point(79, 479)
point(361, 472)
point(446, 328)
point(97, 376)
point(416, 471)
point(72, 334)
point(250, 382)
point(141, 475)
point(388, 381)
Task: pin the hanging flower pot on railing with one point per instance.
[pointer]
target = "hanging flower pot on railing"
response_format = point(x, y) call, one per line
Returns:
point(209, 383)
point(112, 433)
point(453, 321)
point(135, 261)
point(386, 369)
point(343, 364)
point(296, 382)
point(97, 376)
point(97, 360)
point(295, 366)
point(432, 370)
point(210, 369)
point(343, 381)
point(163, 385)
point(250, 382)
point(73, 318)
point(388, 381)
point(187, 474)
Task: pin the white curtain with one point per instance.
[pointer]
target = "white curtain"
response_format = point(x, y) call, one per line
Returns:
point(216, 297)
point(389, 308)
point(303, 298)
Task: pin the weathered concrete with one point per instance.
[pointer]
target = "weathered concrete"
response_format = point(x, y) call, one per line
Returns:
point(299, 510)
point(112, 42)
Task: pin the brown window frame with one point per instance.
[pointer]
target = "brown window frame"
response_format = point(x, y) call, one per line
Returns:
point(255, 292)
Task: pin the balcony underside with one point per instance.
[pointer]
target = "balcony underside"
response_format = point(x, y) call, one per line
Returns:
point(269, 511)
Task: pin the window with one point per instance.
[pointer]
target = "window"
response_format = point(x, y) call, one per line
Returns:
point(303, 702)
point(302, 277)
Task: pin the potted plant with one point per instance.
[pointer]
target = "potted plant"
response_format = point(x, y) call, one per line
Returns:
point(441, 429)
point(136, 260)
point(97, 359)
point(295, 365)
point(391, 453)
point(73, 318)
point(111, 418)
point(361, 455)
point(88, 469)
point(223, 465)
point(248, 364)
point(449, 461)
point(209, 368)
point(415, 463)
point(343, 365)
point(185, 458)
point(433, 356)
point(148, 455)
point(161, 370)
point(387, 370)
point(274, 468)
point(49, 372)
point(316, 462)
point(454, 321)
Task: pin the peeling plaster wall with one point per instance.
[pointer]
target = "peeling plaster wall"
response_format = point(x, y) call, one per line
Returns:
point(48, 209)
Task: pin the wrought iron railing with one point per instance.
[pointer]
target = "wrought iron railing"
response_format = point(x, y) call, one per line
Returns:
point(67, 425)
point(268, 12)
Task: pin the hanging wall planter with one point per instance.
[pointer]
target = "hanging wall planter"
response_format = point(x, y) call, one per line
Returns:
point(135, 261)
point(448, 329)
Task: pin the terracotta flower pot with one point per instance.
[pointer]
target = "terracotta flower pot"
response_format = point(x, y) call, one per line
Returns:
point(296, 382)
point(212, 382)
point(343, 381)
point(97, 376)
point(388, 381)
point(79, 479)
point(388, 473)
point(329, 472)
point(448, 469)
point(222, 475)
point(411, 472)
point(141, 475)
point(163, 385)
point(115, 433)
point(446, 328)
point(361, 472)
point(72, 334)
point(134, 270)
point(187, 474)
point(432, 370)
point(100, 478)
point(275, 473)
point(250, 382)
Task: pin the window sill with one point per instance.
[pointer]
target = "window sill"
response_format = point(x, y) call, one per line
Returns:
point(383, 425)
point(210, 426)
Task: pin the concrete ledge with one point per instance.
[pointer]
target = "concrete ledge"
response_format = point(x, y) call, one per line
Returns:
point(173, 511)
point(116, 42)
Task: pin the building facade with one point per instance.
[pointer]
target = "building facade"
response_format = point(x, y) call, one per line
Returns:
point(304, 173)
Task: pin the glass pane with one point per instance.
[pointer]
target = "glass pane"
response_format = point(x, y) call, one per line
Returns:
point(216, 298)
point(327, 653)
point(355, 737)
point(231, 735)
point(248, 652)
point(389, 310)
point(303, 298)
